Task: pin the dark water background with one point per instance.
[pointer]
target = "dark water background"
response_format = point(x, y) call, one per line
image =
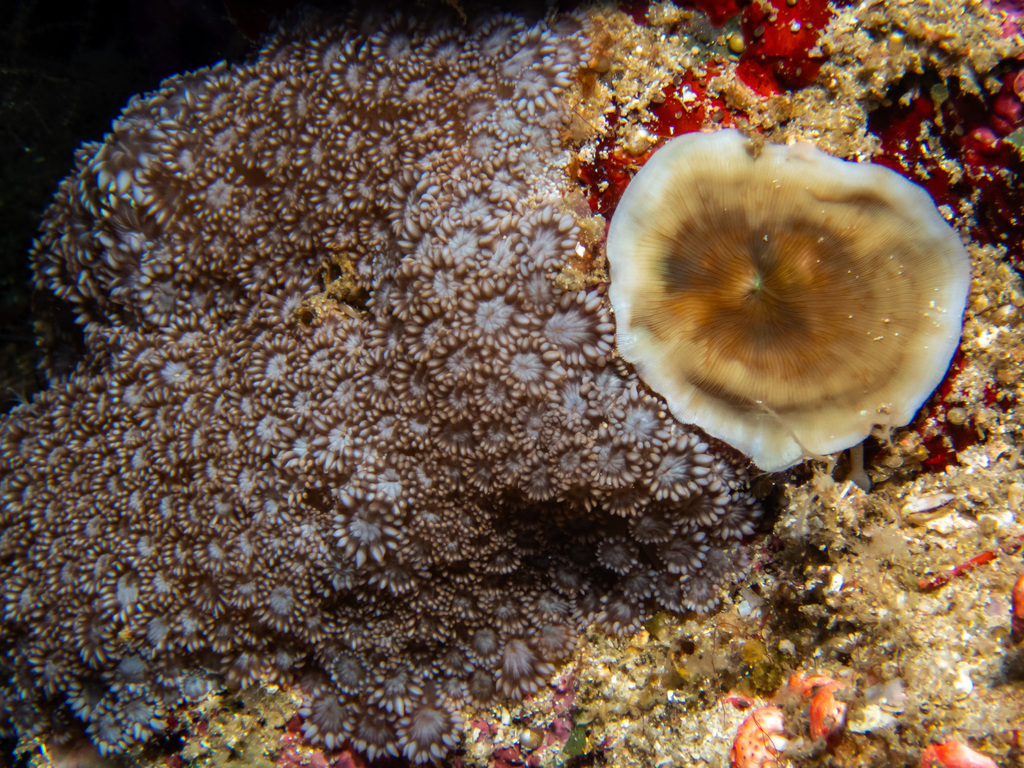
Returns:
point(66, 69)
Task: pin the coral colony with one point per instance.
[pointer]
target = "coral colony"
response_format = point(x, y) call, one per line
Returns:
point(403, 493)
point(783, 300)
point(350, 413)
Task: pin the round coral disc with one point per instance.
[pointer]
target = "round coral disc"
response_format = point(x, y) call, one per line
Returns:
point(783, 300)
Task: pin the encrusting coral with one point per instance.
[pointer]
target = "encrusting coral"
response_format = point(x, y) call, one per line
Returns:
point(403, 492)
point(783, 300)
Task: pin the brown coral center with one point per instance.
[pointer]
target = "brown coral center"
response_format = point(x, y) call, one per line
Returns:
point(764, 307)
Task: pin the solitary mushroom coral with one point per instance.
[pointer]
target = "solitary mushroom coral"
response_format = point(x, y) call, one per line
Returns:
point(783, 300)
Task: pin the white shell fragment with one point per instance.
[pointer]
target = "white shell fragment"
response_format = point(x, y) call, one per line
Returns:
point(915, 505)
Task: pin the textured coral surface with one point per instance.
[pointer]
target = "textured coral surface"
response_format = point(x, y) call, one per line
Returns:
point(349, 413)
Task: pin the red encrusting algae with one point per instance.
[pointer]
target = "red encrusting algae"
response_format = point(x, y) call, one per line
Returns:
point(781, 39)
